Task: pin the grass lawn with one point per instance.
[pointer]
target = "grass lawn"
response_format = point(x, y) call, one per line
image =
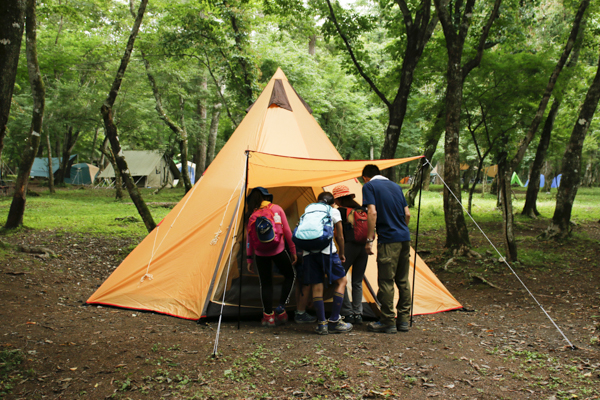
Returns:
point(93, 211)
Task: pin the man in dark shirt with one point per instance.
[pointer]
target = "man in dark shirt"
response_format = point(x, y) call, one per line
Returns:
point(388, 214)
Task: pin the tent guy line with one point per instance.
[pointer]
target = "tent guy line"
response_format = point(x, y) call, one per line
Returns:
point(154, 248)
point(505, 262)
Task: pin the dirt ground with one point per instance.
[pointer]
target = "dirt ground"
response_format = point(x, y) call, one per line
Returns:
point(56, 347)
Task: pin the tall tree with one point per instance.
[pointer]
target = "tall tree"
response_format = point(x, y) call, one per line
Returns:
point(530, 207)
point(179, 131)
point(111, 128)
point(12, 23)
point(17, 207)
point(70, 139)
point(511, 164)
point(418, 30)
point(455, 22)
point(572, 163)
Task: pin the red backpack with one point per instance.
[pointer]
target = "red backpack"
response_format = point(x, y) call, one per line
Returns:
point(357, 219)
point(265, 229)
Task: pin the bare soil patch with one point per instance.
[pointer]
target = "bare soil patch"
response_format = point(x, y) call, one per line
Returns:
point(56, 347)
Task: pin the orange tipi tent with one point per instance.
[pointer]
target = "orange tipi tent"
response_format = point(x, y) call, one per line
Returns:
point(189, 265)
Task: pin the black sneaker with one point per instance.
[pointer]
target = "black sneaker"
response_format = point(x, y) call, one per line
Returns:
point(403, 326)
point(381, 328)
point(358, 319)
point(349, 318)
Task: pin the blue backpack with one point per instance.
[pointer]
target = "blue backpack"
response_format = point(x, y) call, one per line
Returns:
point(315, 228)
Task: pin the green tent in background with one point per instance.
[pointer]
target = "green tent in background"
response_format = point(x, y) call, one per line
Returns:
point(82, 174)
point(515, 180)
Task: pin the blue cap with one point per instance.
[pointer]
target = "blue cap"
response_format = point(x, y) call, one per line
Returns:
point(264, 192)
point(264, 230)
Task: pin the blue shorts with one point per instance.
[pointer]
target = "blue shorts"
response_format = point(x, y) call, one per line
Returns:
point(315, 269)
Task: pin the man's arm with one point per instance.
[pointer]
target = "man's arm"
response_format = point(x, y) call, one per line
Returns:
point(339, 239)
point(406, 215)
point(371, 222)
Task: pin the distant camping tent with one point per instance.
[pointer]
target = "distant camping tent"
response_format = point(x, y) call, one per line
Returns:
point(542, 181)
point(191, 172)
point(147, 168)
point(556, 181)
point(82, 174)
point(514, 180)
point(190, 264)
point(40, 166)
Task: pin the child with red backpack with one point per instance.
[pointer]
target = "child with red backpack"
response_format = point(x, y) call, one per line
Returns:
point(268, 235)
point(354, 221)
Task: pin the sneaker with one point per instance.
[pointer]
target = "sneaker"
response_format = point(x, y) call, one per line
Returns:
point(281, 318)
point(382, 328)
point(304, 318)
point(357, 319)
point(339, 326)
point(322, 328)
point(402, 326)
point(348, 318)
point(268, 319)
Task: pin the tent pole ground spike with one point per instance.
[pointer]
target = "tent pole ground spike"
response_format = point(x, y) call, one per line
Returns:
point(412, 297)
point(508, 265)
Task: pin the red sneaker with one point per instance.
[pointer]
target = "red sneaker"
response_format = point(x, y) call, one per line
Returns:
point(282, 318)
point(268, 319)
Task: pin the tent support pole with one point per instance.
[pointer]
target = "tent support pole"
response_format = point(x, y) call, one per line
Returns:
point(243, 242)
point(412, 300)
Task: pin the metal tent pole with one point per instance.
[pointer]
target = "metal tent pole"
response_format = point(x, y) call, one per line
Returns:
point(412, 300)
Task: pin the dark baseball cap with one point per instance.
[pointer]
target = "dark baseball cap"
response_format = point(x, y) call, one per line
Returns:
point(263, 191)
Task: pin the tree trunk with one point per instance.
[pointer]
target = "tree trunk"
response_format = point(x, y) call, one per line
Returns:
point(504, 192)
point(312, 45)
point(183, 149)
point(17, 207)
point(50, 174)
point(202, 114)
point(467, 179)
point(107, 152)
point(457, 235)
point(530, 207)
point(69, 144)
point(93, 151)
point(111, 129)
point(571, 163)
point(212, 134)
point(12, 22)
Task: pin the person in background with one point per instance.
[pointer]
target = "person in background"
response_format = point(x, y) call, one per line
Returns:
point(388, 214)
point(355, 252)
point(268, 236)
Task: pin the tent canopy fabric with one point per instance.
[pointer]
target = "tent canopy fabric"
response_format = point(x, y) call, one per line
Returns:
point(39, 169)
point(189, 265)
